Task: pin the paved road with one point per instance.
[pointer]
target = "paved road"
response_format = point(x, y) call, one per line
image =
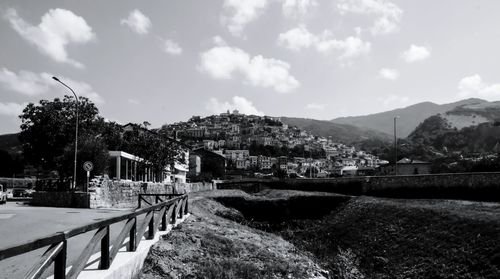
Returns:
point(20, 223)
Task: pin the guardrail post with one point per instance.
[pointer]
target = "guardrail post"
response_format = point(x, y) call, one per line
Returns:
point(174, 213)
point(151, 228)
point(139, 201)
point(133, 231)
point(164, 221)
point(181, 209)
point(60, 263)
point(104, 262)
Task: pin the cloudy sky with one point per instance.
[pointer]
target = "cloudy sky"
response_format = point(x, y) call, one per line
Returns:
point(163, 61)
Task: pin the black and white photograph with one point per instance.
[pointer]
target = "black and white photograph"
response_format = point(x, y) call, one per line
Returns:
point(248, 139)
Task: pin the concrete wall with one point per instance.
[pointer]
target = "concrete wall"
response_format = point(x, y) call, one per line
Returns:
point(124, 194)
point(61, 199)
point(466, 186)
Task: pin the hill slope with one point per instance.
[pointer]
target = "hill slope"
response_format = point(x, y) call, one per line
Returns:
point(339, 132)
point(409, 119)
point(11, 143)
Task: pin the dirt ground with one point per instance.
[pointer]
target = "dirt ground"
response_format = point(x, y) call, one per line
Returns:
point(363, 237)
point(209, 246)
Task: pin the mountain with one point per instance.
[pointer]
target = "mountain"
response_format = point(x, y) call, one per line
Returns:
point(410, 117)
point(339, 132)
point(11, 143)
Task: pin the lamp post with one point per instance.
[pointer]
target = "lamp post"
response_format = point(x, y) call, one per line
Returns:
point(395, 148)
point(76, 128)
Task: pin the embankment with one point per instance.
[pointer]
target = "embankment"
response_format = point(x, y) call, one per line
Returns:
point(354, 237)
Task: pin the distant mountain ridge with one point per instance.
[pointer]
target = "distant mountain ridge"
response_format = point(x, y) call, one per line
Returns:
point(11, 143)
point(410, 117)
point(339, 132)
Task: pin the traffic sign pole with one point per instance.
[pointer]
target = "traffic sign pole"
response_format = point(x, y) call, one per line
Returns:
point(88, 166)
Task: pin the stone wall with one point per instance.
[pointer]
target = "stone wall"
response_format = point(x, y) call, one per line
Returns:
point(61, 199)
point(124, 194)
point(466, 186)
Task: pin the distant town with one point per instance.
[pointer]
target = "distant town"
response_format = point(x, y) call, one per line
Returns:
point(264, 146)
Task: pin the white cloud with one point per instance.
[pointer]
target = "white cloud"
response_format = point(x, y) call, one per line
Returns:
point(11, 109)
point(239, 103)
point(133, 101)
point(57, 29)
point(475, 86)
point(315, 106)
point(299, 38)
point(241, 13)
point(223, 62)
point(390, 74)
point(138, 22)
point(387, 14)
point(26, 83)
point(416, 53)
point(297, 8)
point(33, 84)
point(237, 13)
point(172, 47)
point(394, 100)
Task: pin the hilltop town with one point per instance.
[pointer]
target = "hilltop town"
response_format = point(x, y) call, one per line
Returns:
point(261, 145)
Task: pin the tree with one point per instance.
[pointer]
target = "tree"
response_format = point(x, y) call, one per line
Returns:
point(48, 134)
point(153, 146)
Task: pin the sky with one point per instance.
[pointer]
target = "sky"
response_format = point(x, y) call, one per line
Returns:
point(164, 61)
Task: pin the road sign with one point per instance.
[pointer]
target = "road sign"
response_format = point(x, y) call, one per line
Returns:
point(88, 166)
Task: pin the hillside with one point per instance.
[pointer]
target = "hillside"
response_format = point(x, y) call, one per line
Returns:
point(339, 132)
point(436, 132)
point(473, 114)
point(410, 117)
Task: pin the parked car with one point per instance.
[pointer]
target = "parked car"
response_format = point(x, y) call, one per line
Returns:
point(3, 195)
point(19, 193)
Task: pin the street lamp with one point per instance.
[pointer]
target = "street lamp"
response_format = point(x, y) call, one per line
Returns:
point(395, 148)
point(76, 128)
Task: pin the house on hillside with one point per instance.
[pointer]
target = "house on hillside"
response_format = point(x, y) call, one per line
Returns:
point(212, 163)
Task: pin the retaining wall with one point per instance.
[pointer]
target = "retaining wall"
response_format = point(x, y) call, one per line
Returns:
point(466, 186)
point(123, 194)
point(114, 194)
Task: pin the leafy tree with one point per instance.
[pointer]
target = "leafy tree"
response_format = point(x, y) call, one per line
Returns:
point(9, 165)
point(153, 146)
point(48, 135)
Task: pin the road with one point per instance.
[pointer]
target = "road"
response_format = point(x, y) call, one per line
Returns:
point(20, 223)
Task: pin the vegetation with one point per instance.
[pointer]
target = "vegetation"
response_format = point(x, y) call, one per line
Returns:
point(48, 135)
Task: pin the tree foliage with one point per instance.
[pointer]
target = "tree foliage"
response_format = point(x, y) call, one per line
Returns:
point(48, 133)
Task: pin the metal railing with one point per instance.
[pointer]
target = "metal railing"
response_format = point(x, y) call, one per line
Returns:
point(156, 216)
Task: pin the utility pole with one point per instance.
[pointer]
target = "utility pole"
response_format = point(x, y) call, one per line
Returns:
point(395, 148)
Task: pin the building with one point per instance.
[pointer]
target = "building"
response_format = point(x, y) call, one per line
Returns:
point(212, 164)
point(407, 167)
point(194, 165)
point(233, 155)
point(125, 166)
